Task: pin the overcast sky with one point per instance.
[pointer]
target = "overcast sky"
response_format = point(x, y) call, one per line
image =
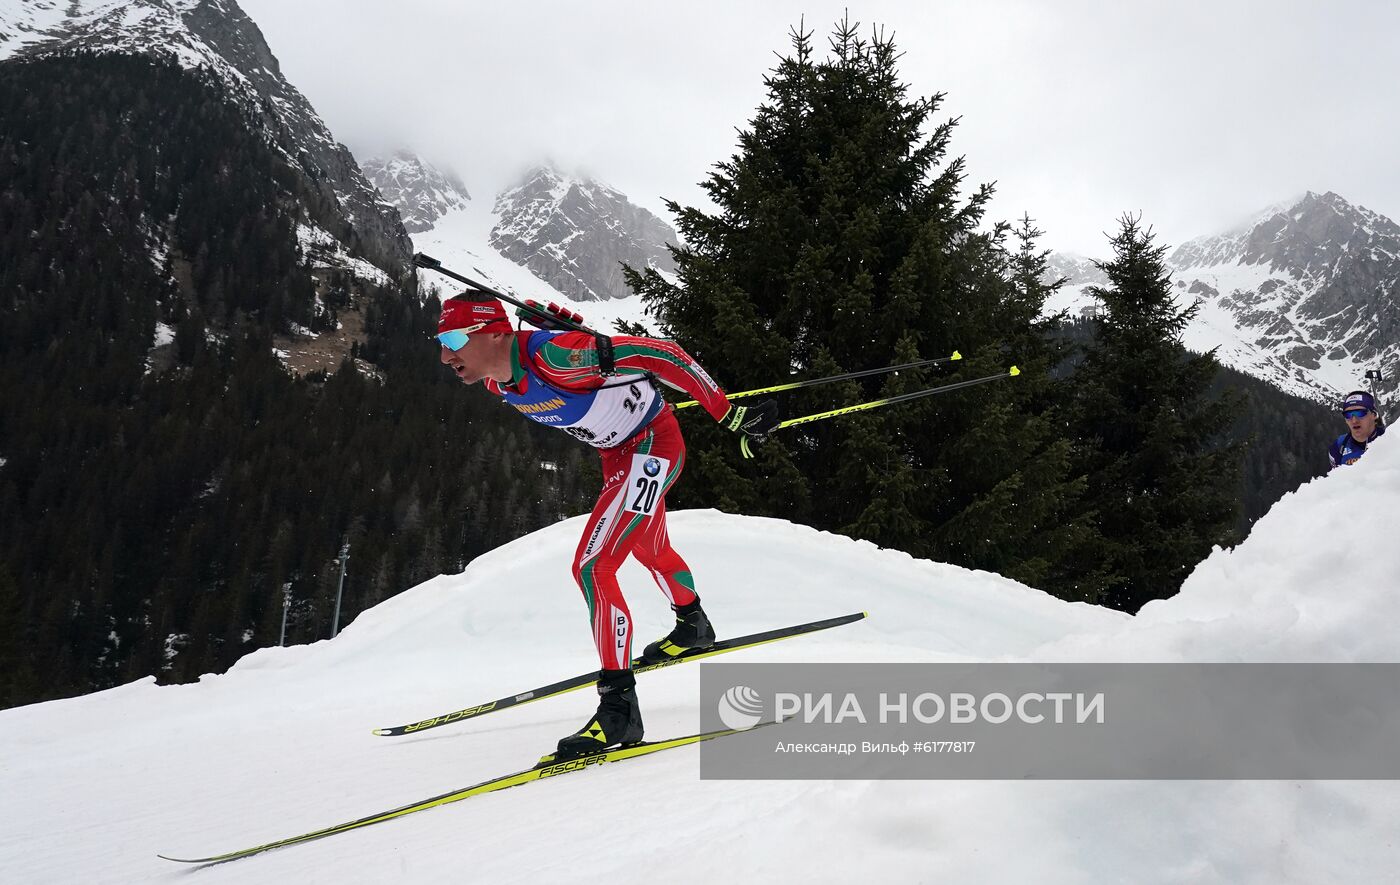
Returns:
point(1196, 114)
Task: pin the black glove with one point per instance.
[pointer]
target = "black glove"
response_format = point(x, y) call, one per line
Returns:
point(755, 422)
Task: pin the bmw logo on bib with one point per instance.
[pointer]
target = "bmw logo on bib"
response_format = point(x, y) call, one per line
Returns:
point(652, 467)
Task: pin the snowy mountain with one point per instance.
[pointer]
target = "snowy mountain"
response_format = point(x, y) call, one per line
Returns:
point(281, 744)
point(463, 234)
point(1076, 269)
point(215, 39)
point(1305, 295)
point(1078, 274)
point(1313, 289)
point(573, 232)
point(422, 192)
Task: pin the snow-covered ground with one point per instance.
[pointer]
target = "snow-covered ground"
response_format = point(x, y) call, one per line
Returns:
point(1217, 326)
point(320, 249)
point(27, 23)
point(94, 787)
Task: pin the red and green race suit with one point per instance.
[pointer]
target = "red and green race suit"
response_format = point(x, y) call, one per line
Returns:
point(556, 381)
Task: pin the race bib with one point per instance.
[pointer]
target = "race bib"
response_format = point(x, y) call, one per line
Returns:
point(645, 483)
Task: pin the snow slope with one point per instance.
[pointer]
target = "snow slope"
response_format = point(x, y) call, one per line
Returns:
point(281, 744)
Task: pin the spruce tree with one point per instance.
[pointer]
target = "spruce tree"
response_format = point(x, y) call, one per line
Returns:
point(842, 243)
point(794, 273)
point(1026, 514)
point(1163, 483)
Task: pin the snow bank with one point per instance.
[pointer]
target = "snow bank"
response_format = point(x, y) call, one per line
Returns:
point(281, 744)
point(1318, 579)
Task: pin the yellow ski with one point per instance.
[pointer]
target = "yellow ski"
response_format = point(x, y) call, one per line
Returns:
point(546, 768)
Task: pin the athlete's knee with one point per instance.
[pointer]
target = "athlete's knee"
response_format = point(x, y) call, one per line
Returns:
point(589, 573)
point(645, 554)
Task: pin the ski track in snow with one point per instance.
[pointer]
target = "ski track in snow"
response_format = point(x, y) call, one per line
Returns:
point(281, 744)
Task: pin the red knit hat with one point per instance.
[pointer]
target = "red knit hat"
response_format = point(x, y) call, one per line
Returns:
point(488, 315)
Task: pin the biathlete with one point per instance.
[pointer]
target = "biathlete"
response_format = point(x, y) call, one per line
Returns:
point(603, 391)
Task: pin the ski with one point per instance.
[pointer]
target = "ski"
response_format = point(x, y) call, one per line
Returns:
point(547, 767)
point(586, 679)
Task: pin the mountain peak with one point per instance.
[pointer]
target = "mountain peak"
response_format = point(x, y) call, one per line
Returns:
point(574, 232)
point(1074, 269)
point(1310, 286)
point(422, 192)
point(216, 38)
point(1304, 237)
point(183, 31)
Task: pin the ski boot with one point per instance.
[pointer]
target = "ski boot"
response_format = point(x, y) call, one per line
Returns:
point(692, 630)
point(618, 720)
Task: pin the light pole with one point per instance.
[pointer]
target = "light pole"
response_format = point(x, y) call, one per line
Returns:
point(286, 604)
point(335, 619)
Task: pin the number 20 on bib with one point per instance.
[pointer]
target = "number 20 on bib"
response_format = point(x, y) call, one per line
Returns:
point(645, 483)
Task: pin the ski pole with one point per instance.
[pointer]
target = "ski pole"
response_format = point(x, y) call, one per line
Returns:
point(903, 397)
point(833, 378)
point(430, 263)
